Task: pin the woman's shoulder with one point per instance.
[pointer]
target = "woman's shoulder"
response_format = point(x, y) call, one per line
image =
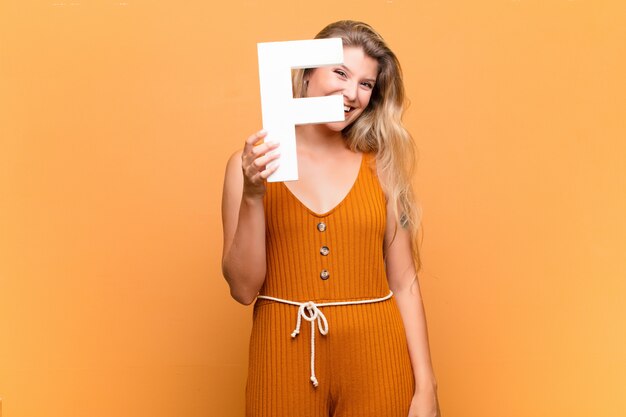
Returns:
point(369, 158)
point(376, 169)
point(235, 158)
point(233, 176)
point(233, 165)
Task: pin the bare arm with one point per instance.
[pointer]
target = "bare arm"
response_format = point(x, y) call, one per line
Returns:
point(243, 218)
point(405, 286)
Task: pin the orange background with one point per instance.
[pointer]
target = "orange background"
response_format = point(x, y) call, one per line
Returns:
point(116, 121)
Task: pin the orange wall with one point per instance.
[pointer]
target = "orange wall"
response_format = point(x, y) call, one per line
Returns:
point(117, 118)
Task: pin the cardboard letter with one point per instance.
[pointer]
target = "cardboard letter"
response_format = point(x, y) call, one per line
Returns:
point(281, 112)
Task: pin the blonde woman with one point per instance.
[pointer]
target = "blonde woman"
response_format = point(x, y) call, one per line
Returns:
point(332, 259)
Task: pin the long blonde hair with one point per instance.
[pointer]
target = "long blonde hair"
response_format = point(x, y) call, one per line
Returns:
point(379, 128)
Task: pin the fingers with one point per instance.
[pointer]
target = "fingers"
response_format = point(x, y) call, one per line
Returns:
point(254, 139)
point(251, 146)
point(261, 169)
point(257, 156)
point(263, 148)
point(265, 159)
point(269, 171)
point(252, 151)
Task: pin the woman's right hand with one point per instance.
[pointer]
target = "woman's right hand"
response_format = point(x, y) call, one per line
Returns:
point(254, 160)
point(244, 262)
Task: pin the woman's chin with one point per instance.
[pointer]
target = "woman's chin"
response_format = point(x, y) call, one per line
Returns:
point(331, 127)
point(337, 126)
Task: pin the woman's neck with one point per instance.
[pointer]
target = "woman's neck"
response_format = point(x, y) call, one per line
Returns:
point(318, 138)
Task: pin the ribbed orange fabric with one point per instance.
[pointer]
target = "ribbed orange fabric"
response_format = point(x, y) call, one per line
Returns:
point(362, 364)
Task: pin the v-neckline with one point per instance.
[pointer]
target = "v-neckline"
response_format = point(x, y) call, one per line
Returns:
point(345, 197)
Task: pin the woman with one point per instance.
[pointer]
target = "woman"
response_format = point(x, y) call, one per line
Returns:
point(335, 251)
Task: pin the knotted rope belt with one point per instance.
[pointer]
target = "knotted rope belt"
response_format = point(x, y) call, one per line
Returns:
point(311, 312)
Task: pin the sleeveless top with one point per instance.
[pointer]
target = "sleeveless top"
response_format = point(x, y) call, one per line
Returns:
point(332, 256)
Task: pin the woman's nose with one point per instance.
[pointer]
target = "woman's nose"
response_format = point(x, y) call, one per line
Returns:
point(350, 91)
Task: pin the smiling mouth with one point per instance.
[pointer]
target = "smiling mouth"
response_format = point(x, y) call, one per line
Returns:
point(347, 109)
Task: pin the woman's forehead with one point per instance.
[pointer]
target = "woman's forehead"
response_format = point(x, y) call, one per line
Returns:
point(359, 63)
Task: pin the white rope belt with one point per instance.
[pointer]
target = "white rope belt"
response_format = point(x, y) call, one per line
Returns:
point(310, 312)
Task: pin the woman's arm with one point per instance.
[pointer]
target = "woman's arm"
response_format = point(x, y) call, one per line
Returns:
point(405, 286)
point(243, 219)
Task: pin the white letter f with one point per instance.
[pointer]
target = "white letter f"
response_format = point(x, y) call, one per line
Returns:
point(281, 112)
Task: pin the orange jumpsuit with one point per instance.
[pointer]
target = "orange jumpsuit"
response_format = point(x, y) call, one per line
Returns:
point(362, 363)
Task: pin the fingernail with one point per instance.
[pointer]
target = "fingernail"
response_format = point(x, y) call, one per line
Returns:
point(262, 132)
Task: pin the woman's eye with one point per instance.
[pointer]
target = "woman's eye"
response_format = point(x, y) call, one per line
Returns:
point(368, 85)
point(340, 72)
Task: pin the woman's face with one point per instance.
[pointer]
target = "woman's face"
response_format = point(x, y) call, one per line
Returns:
point(354, 79)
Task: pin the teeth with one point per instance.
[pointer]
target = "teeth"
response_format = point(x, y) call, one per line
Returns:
point(346, 108)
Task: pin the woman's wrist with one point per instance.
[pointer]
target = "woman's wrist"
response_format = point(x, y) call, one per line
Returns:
point(428, 384)
point(251, 198)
